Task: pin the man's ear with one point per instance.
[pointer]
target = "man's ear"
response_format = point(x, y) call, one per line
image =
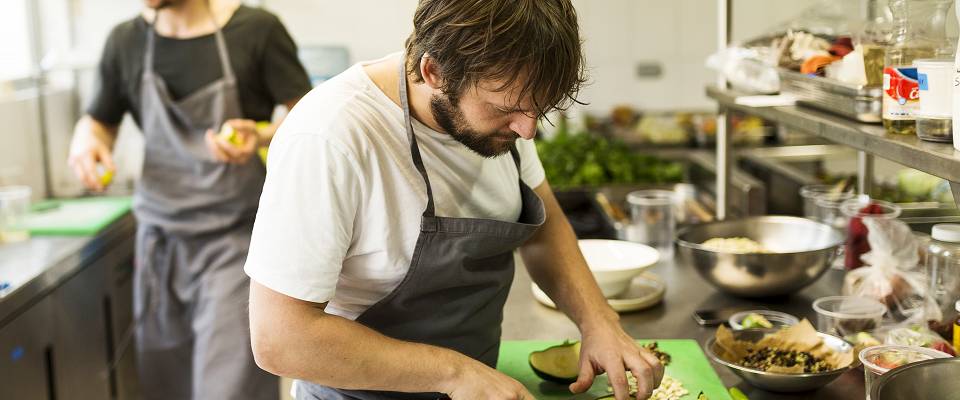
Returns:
point(430, 72)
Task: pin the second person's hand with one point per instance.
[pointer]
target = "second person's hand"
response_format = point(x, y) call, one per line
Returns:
point(241, 148)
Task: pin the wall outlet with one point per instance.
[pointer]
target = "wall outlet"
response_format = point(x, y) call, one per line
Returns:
point(648, 69)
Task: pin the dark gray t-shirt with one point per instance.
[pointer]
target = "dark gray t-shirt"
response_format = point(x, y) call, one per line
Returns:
point(262, 53)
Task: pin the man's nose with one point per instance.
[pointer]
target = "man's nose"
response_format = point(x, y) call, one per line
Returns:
point(524, 125)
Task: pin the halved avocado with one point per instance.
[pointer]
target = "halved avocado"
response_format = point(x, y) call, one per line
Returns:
point(559, 363)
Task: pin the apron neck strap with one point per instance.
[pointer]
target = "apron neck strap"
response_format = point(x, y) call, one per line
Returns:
point(414, 149)
point(218, 35)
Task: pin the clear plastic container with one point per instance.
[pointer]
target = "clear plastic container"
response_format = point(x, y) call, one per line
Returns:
point(652, 220)
point(777, 319)
point(856, 210)
point(14, 205)
point(878, 360)
point(848, 315)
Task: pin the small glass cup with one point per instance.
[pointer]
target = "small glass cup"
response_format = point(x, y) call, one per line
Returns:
point(652, 220)
point(14, 205)
point(810, 194)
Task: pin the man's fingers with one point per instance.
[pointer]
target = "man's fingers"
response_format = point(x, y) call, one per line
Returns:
point(214, 147)
point(106, 159)
point(644, 374)
point(617, 377)
point(89, 167)
point(584, 379)
point(655, 364)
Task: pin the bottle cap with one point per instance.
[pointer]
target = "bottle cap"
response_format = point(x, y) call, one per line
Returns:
point(946, 233)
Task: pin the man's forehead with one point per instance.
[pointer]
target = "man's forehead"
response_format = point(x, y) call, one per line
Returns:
point(504, 93)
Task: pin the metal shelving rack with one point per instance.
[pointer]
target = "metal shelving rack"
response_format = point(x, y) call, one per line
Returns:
point(869, 140)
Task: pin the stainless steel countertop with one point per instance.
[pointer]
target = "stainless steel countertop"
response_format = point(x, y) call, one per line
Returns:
point(36, 266)
point(525, 318)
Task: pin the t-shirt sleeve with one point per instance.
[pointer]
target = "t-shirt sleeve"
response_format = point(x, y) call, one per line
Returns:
point(531, 170)
point(284, 75)
point(109, 103)
point(305, 221)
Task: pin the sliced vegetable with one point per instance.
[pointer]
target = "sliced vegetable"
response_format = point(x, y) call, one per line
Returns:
point(737, 394)
point(559, 363)
point(754, 320)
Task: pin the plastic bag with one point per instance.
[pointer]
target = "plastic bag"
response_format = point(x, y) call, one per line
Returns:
point(749, 70)
point(893, 275)
point(918, 335)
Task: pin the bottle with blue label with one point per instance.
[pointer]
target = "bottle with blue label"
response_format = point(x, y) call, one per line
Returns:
point(919, 31)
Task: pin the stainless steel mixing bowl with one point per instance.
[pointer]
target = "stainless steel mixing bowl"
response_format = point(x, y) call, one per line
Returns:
point(776, 382)
point(929, 379)
point(802, 250)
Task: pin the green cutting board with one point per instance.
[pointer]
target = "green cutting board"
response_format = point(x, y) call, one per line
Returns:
point(75, 217)
point(689, 365)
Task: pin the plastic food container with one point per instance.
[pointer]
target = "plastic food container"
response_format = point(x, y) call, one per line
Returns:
point(848, 315)
point(877, 360)
point(777, 319)
point(856, 210)
point(14, 204)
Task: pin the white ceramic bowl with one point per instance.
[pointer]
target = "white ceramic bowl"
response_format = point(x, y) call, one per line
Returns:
point(615, 263)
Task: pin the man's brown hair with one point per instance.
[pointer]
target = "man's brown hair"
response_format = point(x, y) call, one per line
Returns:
point(480, 40)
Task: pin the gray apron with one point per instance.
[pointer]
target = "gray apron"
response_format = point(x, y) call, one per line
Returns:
point(454, 292)
point(195, 216)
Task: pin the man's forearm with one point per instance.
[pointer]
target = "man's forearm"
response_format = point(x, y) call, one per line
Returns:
point(555, 263)
point(297, 339)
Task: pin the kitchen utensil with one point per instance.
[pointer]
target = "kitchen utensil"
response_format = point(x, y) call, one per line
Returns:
point(876, 375)
point(801, 251)
point(76, 217)
point(858, 102)
point(614, 263)
point(653, 220)
point(645, 291)
point(848, 315)
point(688, 365)
point(777, 318)
point(14, 203)
point(778, 382)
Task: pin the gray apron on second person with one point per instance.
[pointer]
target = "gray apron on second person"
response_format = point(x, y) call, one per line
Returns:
point(195, 216)
point(454, 292)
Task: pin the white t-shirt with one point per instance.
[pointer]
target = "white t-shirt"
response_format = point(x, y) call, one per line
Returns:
point(340, 212)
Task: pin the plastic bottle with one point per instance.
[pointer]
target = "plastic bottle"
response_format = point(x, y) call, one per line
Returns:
point(918, 32)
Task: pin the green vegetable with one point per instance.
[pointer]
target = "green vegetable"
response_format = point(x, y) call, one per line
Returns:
point(754, 320)
point(586, 159)
point(559, 363)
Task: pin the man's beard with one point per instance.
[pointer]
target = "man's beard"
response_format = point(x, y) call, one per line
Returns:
point(449, 116)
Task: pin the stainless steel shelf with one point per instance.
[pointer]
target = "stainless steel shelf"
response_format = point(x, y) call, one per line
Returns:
point(933, 158)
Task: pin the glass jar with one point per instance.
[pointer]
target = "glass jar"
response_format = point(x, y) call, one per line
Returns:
point(942, 263)
point(874, 38)
point(919, 31)
point(857, 210)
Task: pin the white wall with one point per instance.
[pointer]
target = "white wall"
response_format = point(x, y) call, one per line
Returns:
point(618, 34)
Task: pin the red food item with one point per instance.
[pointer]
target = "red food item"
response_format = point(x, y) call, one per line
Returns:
point(857, 243)
point(841, 47)
point(944, 347)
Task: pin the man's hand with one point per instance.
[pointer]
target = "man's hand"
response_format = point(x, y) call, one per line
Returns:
point(607, 348)
point(90, 146)
point(475, 380)
point(239, 148)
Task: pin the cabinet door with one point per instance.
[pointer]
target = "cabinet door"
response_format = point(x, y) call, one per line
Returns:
point(25, 355)
point(120, 323)
point(80, 343)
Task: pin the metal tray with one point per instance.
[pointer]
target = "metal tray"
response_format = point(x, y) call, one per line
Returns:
point(858, 102)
